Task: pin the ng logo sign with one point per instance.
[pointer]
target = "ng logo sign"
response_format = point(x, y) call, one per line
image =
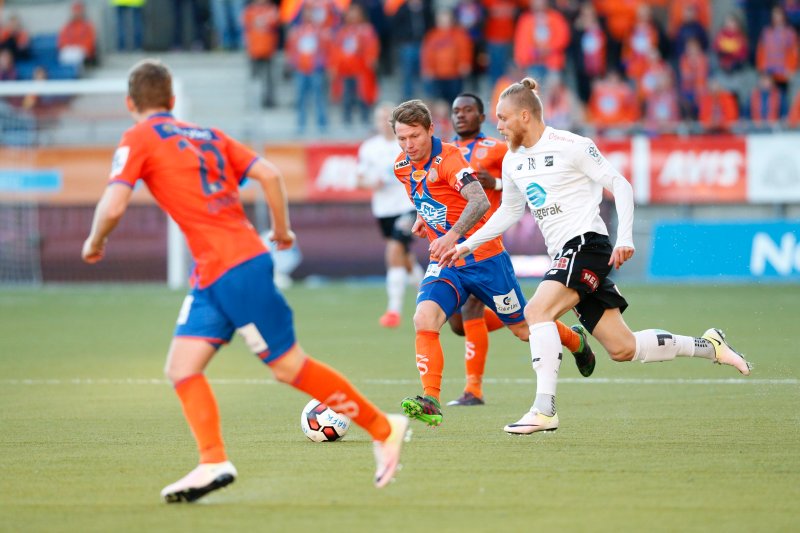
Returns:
point(782, 255)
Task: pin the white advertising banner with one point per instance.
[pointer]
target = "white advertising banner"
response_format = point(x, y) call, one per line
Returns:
point(773, 168)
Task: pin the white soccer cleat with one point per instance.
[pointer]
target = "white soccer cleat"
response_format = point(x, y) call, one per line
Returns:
point(725, 354)
point(387, 453)
point(531, 422)
point(207, 477)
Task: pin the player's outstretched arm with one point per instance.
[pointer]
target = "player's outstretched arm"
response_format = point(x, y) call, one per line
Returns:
point(107, 214)
point(267, 174)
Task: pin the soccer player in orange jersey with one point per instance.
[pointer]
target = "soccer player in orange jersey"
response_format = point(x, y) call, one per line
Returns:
point(474, 320)
point(194, 174)
point(451, 205)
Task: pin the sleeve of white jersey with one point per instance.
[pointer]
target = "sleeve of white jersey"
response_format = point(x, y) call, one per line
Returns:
point(510, 211)
point(591, 162)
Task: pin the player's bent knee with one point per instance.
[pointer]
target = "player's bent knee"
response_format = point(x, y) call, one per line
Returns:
point(623, 353)
point(521, 330)
point(288, 366)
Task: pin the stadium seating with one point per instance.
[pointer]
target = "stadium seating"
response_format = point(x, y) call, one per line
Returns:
point(44, 52)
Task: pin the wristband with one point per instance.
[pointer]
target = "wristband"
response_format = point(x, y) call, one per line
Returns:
point(498, 184)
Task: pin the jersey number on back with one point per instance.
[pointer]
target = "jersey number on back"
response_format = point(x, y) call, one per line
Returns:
point(209, 187)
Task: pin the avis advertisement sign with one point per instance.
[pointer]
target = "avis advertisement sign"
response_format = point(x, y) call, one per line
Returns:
point(332, 173)
point(698, 170)
point(726, 251)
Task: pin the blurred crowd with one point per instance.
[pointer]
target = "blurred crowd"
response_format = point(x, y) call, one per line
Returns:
point(653, 66)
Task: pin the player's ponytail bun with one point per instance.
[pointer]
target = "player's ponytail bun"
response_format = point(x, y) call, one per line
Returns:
point(530, 83)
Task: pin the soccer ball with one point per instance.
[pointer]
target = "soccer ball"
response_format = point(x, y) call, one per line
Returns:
point(320, 423)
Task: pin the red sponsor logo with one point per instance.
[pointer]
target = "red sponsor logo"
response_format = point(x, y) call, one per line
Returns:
point(333, 170)
point(590, 278)
point(560, 264)
point(698, 170)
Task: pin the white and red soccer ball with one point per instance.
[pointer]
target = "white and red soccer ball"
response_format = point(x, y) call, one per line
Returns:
point(320, 423)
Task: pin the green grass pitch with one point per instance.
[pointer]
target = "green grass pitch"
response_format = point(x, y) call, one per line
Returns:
point(90, 431)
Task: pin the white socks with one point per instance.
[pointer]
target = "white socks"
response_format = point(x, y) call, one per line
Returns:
point(396, 278)
point(655, 345)
point(546, 359)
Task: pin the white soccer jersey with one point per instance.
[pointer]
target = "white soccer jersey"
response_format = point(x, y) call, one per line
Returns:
point(376, 158)
point(561, 178)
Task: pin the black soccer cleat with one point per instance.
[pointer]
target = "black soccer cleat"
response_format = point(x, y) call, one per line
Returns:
point(584, 357)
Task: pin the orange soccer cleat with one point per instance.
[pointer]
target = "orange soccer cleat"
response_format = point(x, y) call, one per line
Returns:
point(390, 319)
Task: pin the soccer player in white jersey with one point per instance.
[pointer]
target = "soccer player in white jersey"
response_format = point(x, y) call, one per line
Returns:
point(561, 177)
point(393, 210)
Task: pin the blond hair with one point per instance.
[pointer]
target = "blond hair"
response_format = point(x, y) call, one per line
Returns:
point(525, 95)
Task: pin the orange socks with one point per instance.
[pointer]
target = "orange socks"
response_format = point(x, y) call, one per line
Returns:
point(477, 345)
point(569, 338)
point(328, 386)
point(493, 321)
point(430, 362)
point(200, 410)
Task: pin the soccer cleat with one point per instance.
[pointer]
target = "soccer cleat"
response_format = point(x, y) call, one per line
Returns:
point(387, 453)
point(390, 319)
point(467, 399)
point(423, 408)
point(207, 477)
point(725, 354)
point(584, 357)
point(532, 422)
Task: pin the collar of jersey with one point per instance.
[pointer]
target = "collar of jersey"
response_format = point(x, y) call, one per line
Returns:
point(436, 149)
point(477, 138)
point(162, 114)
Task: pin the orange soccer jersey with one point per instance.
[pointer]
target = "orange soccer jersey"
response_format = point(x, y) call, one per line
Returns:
point(485, 153)
point(435, 187)
point(194, 174)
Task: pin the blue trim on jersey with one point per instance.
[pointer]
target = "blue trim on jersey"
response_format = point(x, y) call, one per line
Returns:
point(244, 175)
point(120, 182)
point(471, 145)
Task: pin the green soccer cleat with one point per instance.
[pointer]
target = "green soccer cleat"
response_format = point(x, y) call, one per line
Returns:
point(584, 357)
point(423, 408)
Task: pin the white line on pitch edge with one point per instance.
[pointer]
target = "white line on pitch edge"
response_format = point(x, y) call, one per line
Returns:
point(503, 381)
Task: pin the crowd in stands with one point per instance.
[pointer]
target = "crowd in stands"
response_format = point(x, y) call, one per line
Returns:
point(657, 66)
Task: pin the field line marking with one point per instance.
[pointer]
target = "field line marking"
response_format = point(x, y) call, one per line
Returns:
point(502, 381)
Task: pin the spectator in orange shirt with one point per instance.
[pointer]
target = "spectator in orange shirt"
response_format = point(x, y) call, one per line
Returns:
point(777, 52)
point(446, 58)
point(731, 45)
point(590, 50)
point(261, 24)
point(14, 38)
point(794, 113)
point(354, 57)
point(718, 109)
point(662, 112)
point(766, 104)
point(639, 45)
point(501, 16)
point(652, 70)
point(76, 40)
point(694, 72)
point(619, 17)
point(541, 40)
point(613, 103)
point(308, 53)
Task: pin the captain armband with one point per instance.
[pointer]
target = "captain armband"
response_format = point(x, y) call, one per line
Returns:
point(465, 179)
point(498, 184)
